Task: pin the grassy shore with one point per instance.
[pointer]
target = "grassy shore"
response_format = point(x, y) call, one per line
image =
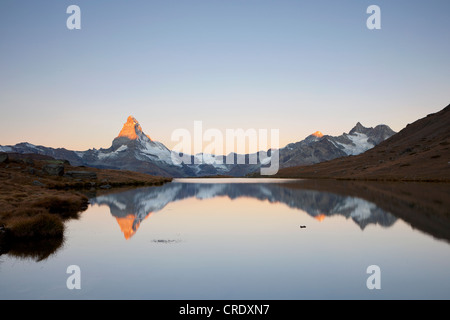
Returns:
point(34, 203)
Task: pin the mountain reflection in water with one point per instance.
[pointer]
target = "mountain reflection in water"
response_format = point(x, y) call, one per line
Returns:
point(131, 207)
point(209, 246)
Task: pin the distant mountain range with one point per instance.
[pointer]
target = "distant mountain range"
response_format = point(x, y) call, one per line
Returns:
point(318, 147)
point(133, 150)
point(419, 152)
point(130, 208)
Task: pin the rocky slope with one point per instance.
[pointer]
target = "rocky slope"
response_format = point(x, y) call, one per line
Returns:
point(419, 152)
point(318, 147)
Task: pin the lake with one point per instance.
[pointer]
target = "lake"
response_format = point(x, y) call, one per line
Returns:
point(234, 239)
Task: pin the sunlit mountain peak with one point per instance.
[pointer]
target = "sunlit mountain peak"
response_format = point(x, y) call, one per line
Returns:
point(132, 129)
point(318, 134)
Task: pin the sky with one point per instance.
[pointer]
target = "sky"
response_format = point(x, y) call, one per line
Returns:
point(292, 65)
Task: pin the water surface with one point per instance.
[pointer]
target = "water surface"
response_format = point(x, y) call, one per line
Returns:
point(241, 239)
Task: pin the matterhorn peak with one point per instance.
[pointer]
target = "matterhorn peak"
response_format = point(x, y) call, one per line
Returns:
point(132, 119)
point(131, 129)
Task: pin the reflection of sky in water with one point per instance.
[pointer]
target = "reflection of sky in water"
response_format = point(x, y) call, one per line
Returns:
point(237, 247)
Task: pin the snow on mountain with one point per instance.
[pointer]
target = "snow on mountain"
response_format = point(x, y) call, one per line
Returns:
point(134, 150)
point(360, 139)
point(103, 156)
point(318, 147)
point(144, 148)
point(359, 143)
point(6, 149)
point(154, 151)
point(80, 154)
point(217, 162)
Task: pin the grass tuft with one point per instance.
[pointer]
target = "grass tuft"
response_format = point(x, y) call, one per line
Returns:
point(38, 226)
point(66, 206)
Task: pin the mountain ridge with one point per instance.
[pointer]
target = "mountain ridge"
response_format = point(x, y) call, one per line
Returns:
point(419, 152)
point(134, 150)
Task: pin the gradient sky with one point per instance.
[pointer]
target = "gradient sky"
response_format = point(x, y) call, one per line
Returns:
point(298, 66)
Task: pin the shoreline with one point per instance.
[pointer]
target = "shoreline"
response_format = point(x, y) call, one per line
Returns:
point(39, 194)
point(367, 179)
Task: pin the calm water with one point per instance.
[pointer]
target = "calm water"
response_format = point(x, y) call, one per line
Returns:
point(235, 239)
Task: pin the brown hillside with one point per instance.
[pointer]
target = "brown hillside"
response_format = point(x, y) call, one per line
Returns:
point(39, 192)
point(419, 152)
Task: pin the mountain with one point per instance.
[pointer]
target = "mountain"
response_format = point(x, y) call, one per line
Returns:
point(59, 153)
point(420, 152)
point(318, 147)
point(131, 150)
point(134, 150)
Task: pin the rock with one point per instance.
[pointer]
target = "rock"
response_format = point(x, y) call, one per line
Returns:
point(81, 175)
point(53, 169)
point(38, 183)
point(105, 186)
point(4, 158)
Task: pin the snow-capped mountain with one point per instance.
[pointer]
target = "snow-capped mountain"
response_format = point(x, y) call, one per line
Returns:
point(132, 136)
point(134, 150)
point(318, 147)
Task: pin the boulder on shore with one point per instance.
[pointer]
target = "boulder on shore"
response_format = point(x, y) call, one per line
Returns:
point(53, 169)
point(4, 158)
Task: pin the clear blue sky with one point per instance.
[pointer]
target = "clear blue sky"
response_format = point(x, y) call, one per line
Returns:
point(298, 66)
